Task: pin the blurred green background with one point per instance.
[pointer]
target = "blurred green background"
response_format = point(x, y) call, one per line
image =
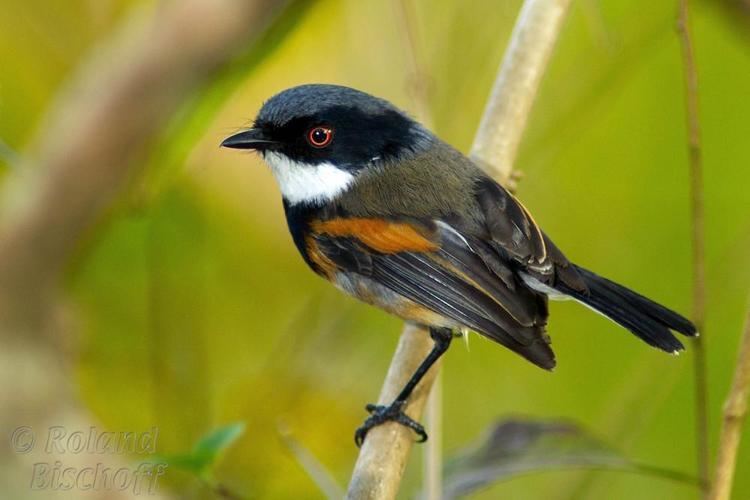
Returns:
point(194, 309)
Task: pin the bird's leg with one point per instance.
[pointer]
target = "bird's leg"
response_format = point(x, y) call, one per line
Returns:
point(395, 411)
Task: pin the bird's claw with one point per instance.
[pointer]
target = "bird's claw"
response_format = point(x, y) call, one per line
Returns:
point(380, 414)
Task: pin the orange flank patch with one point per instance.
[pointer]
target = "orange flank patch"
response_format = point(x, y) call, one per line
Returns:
point(380, 235)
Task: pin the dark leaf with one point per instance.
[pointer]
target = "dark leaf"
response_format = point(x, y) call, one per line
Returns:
point(517, 446)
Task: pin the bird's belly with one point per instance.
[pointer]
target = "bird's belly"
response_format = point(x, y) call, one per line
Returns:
point(383, 297)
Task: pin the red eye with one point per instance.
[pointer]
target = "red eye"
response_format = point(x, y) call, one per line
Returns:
point(320, 137)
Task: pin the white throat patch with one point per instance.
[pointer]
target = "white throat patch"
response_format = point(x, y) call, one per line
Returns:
point(302, 182)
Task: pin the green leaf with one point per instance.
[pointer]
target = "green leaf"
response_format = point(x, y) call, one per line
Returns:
point(211, 445)
point(187, 462)
point(201, 460)
point(514, 447)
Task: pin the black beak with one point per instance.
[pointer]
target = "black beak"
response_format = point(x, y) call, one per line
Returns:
point(249, 139)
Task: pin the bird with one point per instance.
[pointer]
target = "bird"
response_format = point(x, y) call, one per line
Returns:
point(391, 214)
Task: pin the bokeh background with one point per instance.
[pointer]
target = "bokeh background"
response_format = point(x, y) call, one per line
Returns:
point(191, 308)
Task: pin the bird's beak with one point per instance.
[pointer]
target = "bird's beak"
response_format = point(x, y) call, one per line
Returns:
point(253, 138)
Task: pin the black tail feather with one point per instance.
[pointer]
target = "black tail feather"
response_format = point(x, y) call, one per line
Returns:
point(645, 318)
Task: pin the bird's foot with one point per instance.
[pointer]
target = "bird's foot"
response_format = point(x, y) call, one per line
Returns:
point(380, 414)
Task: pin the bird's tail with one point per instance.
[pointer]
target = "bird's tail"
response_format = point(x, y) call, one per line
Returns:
point(645, 318)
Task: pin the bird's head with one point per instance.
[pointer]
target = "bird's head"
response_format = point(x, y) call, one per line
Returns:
point(319, 138)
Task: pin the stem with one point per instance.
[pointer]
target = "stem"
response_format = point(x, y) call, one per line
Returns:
point(735, 409)
point(315, 470)
point(698, 243)
point(382, 459)
point(433, 453)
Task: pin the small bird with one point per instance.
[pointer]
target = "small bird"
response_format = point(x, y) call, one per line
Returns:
point(394, 216)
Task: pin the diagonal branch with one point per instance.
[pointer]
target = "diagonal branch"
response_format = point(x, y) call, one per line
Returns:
point(504, 120)
point(88, 150)
point(99, 133)
point(382, 459)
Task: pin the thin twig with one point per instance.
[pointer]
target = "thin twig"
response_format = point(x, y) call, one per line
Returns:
point(433, 453)
point(735, 409)
point(322, 478)
point(698, 242)
point(418, 73)
point(382, 459)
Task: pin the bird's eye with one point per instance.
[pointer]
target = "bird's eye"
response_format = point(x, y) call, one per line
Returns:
point(320, 137)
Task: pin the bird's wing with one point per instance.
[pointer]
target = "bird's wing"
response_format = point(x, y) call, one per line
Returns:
point(436, 267)
point(515, 235)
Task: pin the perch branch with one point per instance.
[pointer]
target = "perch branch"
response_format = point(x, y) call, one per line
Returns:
point(735, 409)
point(382, 459)
point(698, 242)
point(504, 120)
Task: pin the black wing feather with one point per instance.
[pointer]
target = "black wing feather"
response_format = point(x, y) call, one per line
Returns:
point(515, 236)
point(428, 279)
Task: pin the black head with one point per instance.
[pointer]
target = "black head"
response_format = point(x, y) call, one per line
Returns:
point(317, 123)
